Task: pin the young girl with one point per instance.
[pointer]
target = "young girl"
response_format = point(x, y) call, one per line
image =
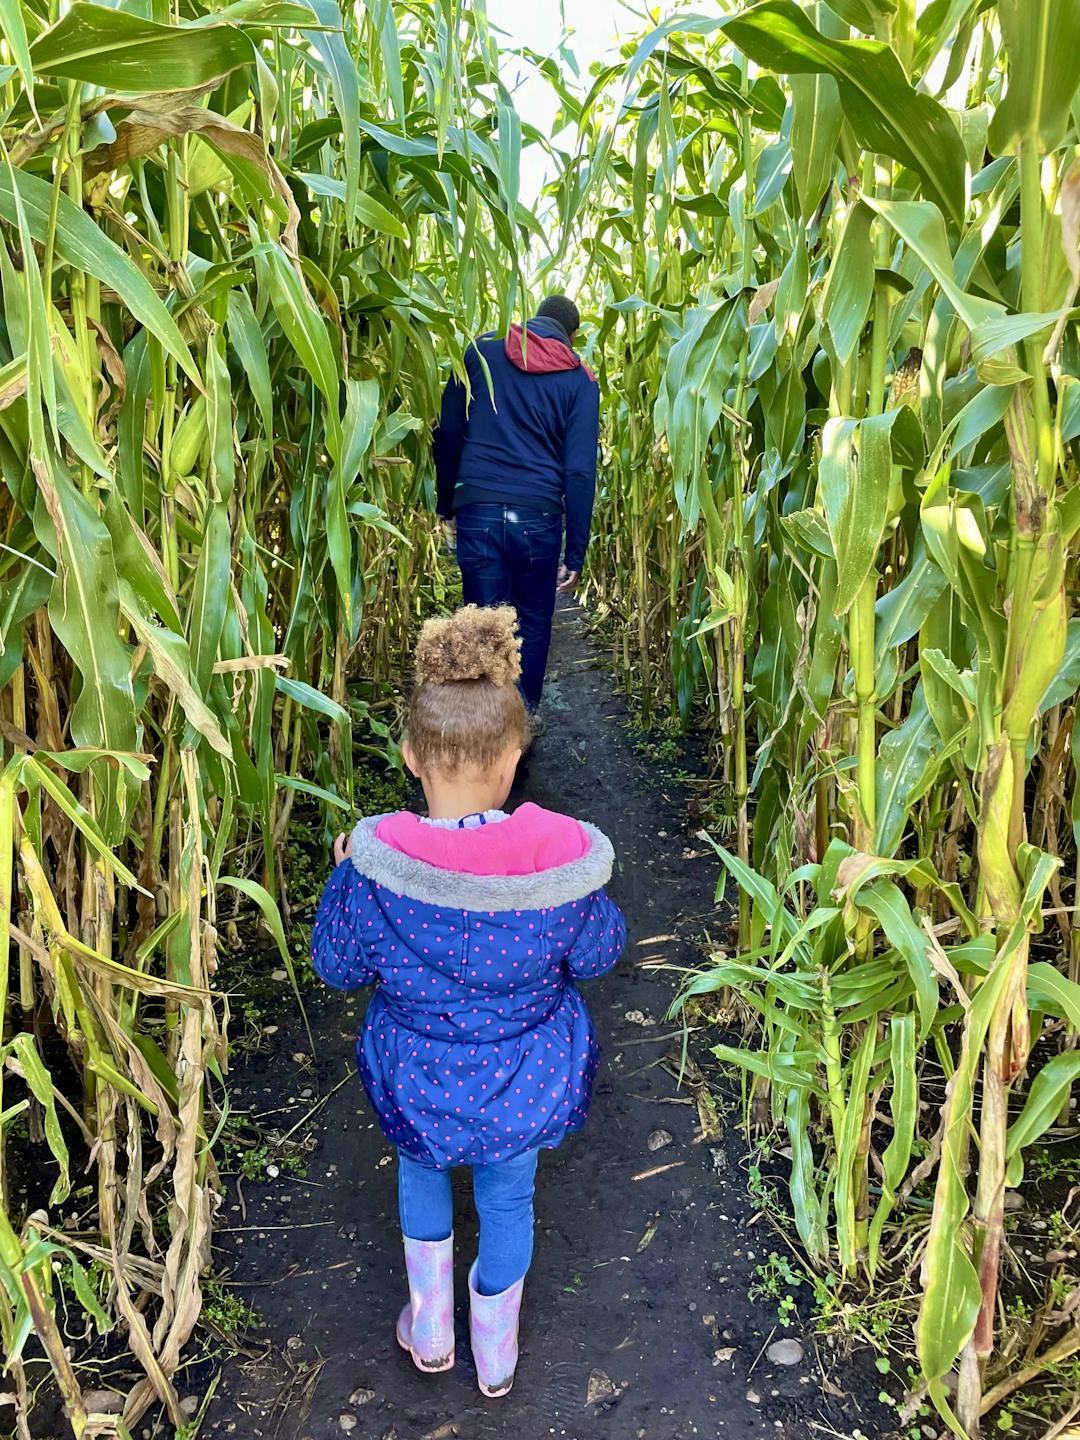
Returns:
point(477, 1048)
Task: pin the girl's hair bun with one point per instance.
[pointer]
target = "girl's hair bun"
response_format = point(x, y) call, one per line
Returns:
point(472, 644)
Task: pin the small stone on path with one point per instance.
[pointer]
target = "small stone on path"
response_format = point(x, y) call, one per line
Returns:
point(659, 1138)
point(103, 1402)
point(753, 1397)
point(362, 1396)
point(189, 1405)
point(785, 1352)
point(279, 974)
point(347, 1422)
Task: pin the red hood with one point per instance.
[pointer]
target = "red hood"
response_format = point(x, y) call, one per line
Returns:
point(546, 354)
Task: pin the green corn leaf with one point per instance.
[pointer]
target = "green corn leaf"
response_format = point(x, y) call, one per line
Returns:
point(306, 332)
point(855, 475)
point(901, 611)
point(1042, 38)
point(1067, 681)
point(210, 596)
point(40, 1082)
point(32, 770)
point(885, 901)
point(885, 111)
point(19, 598)
point(246, 339)
point(84, 610)
point(1042, 1109)
point(172, 662)
point(847, 1148)
point(87, 1296)
point(806, 1203)
point(952, 1292)
point(370, 212)
point(312, 699)
point(1052, 993)
point(121, 51)
point(272, 915)
point(850, 286)
point(317, 792)
point(815, 132)
point(903, 1107)
point(909, 760)
point(781, 1069)
point(386, 25)
point(921, 226)
point(13, 27)
point(329, 44)
point(84, 245)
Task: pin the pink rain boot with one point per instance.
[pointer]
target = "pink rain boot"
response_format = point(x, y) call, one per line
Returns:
point(425, 1328)
point(493, 1330)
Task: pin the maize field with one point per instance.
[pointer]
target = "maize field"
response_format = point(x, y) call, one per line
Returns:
point(829, 256)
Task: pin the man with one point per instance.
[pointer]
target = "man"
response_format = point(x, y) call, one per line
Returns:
point(508, 473)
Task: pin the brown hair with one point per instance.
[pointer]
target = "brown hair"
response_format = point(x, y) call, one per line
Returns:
point(466, 709)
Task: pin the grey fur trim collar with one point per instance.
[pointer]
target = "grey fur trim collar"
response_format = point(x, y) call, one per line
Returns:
point(431, 885)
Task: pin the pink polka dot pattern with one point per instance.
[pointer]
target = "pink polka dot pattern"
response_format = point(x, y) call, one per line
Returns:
point(477, 1044)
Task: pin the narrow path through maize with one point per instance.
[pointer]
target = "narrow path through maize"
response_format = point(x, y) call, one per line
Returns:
point(638, 1319)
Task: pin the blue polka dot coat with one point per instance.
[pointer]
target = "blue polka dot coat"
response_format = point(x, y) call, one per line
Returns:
point(477, 1044)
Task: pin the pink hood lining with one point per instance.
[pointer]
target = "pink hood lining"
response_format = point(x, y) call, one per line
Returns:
point(544, 354)
point(528, 842)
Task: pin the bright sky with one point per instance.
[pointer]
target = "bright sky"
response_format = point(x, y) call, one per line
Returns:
point(594, 27)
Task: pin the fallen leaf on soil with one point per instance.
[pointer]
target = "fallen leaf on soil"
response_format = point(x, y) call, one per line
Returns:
point(601, 1387)
point(647, 1239)
point(602, 1390)
point(658, 1170)
point(708, 1115)
point(660, 1138)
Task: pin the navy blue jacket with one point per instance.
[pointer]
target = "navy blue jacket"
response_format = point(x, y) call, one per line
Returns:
point(536, 446)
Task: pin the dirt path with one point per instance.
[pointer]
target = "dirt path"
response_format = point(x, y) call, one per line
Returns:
point(637, 1319)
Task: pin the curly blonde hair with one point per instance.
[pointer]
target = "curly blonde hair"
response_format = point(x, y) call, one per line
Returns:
point(466, 709)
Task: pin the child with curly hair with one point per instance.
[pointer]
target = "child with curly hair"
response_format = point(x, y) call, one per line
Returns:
point(474, 926)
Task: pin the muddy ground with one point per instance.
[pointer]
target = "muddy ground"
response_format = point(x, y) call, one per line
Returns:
point(637, 1321)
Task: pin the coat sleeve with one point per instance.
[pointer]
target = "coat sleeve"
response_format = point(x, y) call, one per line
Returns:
point(579, 471)
point(346, 910)
point(448, 443)
point(600, 941)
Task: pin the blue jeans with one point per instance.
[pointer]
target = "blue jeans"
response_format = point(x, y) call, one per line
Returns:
point(503, 1193)
point(509, 555)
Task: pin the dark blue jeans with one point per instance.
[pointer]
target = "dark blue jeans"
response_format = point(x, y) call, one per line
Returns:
point(510, 556)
